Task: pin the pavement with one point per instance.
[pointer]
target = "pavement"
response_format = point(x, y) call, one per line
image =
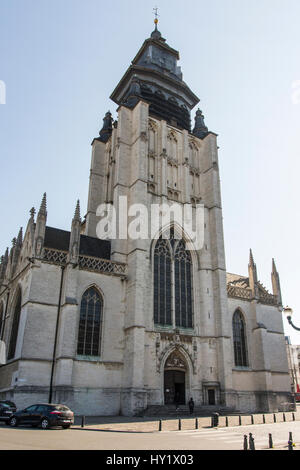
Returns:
point(122, 433)
point(152, 424)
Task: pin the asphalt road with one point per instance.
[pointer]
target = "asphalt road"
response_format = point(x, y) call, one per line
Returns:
point(91, 438)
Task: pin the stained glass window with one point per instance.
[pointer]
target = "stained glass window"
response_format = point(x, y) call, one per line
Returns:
point(90, 324)
point(172, 267)
point(239, 340)
point(162, 284)
point(183, 287)
point(14, 328)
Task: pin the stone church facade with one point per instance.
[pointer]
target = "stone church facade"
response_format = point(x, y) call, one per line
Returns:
point(114, 326)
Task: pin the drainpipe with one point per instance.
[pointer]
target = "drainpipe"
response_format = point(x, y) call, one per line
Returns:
point(56, 334)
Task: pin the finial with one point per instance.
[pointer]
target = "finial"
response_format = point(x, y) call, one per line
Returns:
point(156, 17)
point(77, 212)
point(156, 34)
point(106, 130)
point(32, 213)
point(200, 130)
point(274, 270)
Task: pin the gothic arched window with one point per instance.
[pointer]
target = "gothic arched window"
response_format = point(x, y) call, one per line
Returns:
point(173, 291)
point(90, 323)
point(1, 318)
point(183, 286)
point(239, 340)
point(15, 327)
point(162, 283)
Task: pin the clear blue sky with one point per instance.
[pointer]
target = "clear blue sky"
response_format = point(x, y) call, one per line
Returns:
point(61, 59)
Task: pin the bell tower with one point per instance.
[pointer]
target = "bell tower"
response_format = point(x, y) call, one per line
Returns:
point(151, 155)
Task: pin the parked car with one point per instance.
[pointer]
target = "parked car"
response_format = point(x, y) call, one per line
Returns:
point(43, 414)
point(10, 403)
point(7, 408)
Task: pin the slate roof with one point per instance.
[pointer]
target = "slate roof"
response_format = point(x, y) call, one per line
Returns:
point(59, 239)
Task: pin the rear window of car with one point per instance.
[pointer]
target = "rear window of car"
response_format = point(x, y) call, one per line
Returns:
point(62, 408)
point(9, 403)
point(4, 405)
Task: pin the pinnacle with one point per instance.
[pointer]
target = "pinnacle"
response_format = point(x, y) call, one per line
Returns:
point(20, 236)
point(251, 259)
point(43, 208)
point(77, 212)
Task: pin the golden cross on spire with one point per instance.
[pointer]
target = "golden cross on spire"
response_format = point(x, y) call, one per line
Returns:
point(156, 16)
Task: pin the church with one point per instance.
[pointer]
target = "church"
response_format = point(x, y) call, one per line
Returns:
point(117, 325)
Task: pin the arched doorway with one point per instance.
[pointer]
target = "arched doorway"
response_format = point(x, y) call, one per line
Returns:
point(175, 379)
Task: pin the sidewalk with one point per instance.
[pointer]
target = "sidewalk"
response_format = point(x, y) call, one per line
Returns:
point(152, 424)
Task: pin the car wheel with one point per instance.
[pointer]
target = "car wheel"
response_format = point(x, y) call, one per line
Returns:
point(66, 426)
point(45, 423)
point(13, 422)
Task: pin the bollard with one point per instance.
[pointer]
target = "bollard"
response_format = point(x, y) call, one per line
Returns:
point(291, 440)
point(160, 425)
point(82, 421)
point(264, 419)
point(270, 441)
point(240, 420)
point(179, 424)
point(215, 420)
point(252, 419)
point(251, 442)
point(196, 424)
point(293, 415)
point(245, 442)
point(283, 415)
point(274, 417)
point(226, 421)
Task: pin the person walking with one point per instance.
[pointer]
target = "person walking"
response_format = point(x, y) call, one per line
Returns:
point(191, 405)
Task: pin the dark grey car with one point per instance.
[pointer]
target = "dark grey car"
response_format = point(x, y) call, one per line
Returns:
point(6, 410)
point(45, 415)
